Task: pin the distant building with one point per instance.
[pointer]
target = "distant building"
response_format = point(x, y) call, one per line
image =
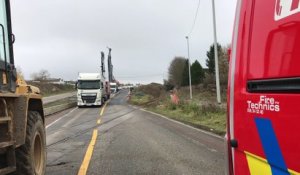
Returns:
point(70, 82)
point(55, 81)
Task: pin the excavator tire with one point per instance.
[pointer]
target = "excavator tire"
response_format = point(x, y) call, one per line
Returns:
point(31, 157)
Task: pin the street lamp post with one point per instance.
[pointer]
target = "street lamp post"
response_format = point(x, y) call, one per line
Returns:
point(190, 78)
point(216, 54)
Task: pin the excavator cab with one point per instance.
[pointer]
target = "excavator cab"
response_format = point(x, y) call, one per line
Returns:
point(8, 75)
point(22, 123)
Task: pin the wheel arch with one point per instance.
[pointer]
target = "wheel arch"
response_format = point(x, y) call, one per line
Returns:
point(25, 104)
point(36, 105)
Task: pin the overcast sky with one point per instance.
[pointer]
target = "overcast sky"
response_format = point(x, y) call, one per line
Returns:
point(66, 36)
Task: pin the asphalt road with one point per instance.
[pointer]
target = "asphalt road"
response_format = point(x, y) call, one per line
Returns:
point(58, 97)
point(129, 141)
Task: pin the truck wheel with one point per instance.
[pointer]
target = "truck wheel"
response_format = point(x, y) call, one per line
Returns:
point(31, 157)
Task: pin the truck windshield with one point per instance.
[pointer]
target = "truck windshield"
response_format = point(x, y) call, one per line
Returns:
point(95, 84)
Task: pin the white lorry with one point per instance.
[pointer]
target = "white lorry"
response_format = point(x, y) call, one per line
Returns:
point(113, 87)
point(90, 89)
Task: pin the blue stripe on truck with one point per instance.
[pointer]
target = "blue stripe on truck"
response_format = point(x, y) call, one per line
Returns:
point(271, 146)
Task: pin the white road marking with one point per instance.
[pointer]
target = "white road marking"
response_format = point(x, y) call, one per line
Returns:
point(197, 129)
point(74, 118)
point(61, 117)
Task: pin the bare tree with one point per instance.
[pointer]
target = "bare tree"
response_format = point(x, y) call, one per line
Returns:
point(176, 71)
point(224, 65)
point(42, 75)
point(20, 72)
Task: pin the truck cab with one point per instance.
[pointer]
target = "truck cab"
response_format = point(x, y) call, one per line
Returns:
point(113, 87)
point(264, 89)
point(90, 90)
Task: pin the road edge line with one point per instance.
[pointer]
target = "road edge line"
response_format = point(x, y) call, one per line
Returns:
point(183, 124)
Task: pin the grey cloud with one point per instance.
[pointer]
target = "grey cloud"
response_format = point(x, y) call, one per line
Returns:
point(66, 36)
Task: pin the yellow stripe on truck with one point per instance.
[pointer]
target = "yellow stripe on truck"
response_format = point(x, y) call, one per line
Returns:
point(293, 172)
point(257, 165)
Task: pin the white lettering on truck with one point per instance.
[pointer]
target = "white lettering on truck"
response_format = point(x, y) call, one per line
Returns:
point(265, 104)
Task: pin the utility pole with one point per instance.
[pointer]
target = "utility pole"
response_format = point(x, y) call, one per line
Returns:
point(216, 53)
point(110, 71)
point(190, 78)
point(102, 64)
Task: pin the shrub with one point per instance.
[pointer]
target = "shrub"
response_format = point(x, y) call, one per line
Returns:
point(209, 80)
point(210, 108)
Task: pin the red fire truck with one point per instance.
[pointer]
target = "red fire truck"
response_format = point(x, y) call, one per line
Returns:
point(263, 133)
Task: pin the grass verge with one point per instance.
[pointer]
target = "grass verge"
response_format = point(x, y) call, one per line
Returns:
point(140, 99)
point(210, 120)
point(60, 102)
point(202, 112)
point(57, 93)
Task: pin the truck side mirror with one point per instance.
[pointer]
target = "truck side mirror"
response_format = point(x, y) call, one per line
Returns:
point(76, 85)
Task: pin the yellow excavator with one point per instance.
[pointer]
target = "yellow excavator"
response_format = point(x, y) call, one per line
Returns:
point(22, 122)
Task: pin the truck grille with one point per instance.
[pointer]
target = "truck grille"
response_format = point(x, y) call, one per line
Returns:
point(88, 99)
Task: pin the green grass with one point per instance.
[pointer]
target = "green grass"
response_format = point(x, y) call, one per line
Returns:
point(48, 89)
point(140, 99)
point(213, 121)
point(202, 112)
